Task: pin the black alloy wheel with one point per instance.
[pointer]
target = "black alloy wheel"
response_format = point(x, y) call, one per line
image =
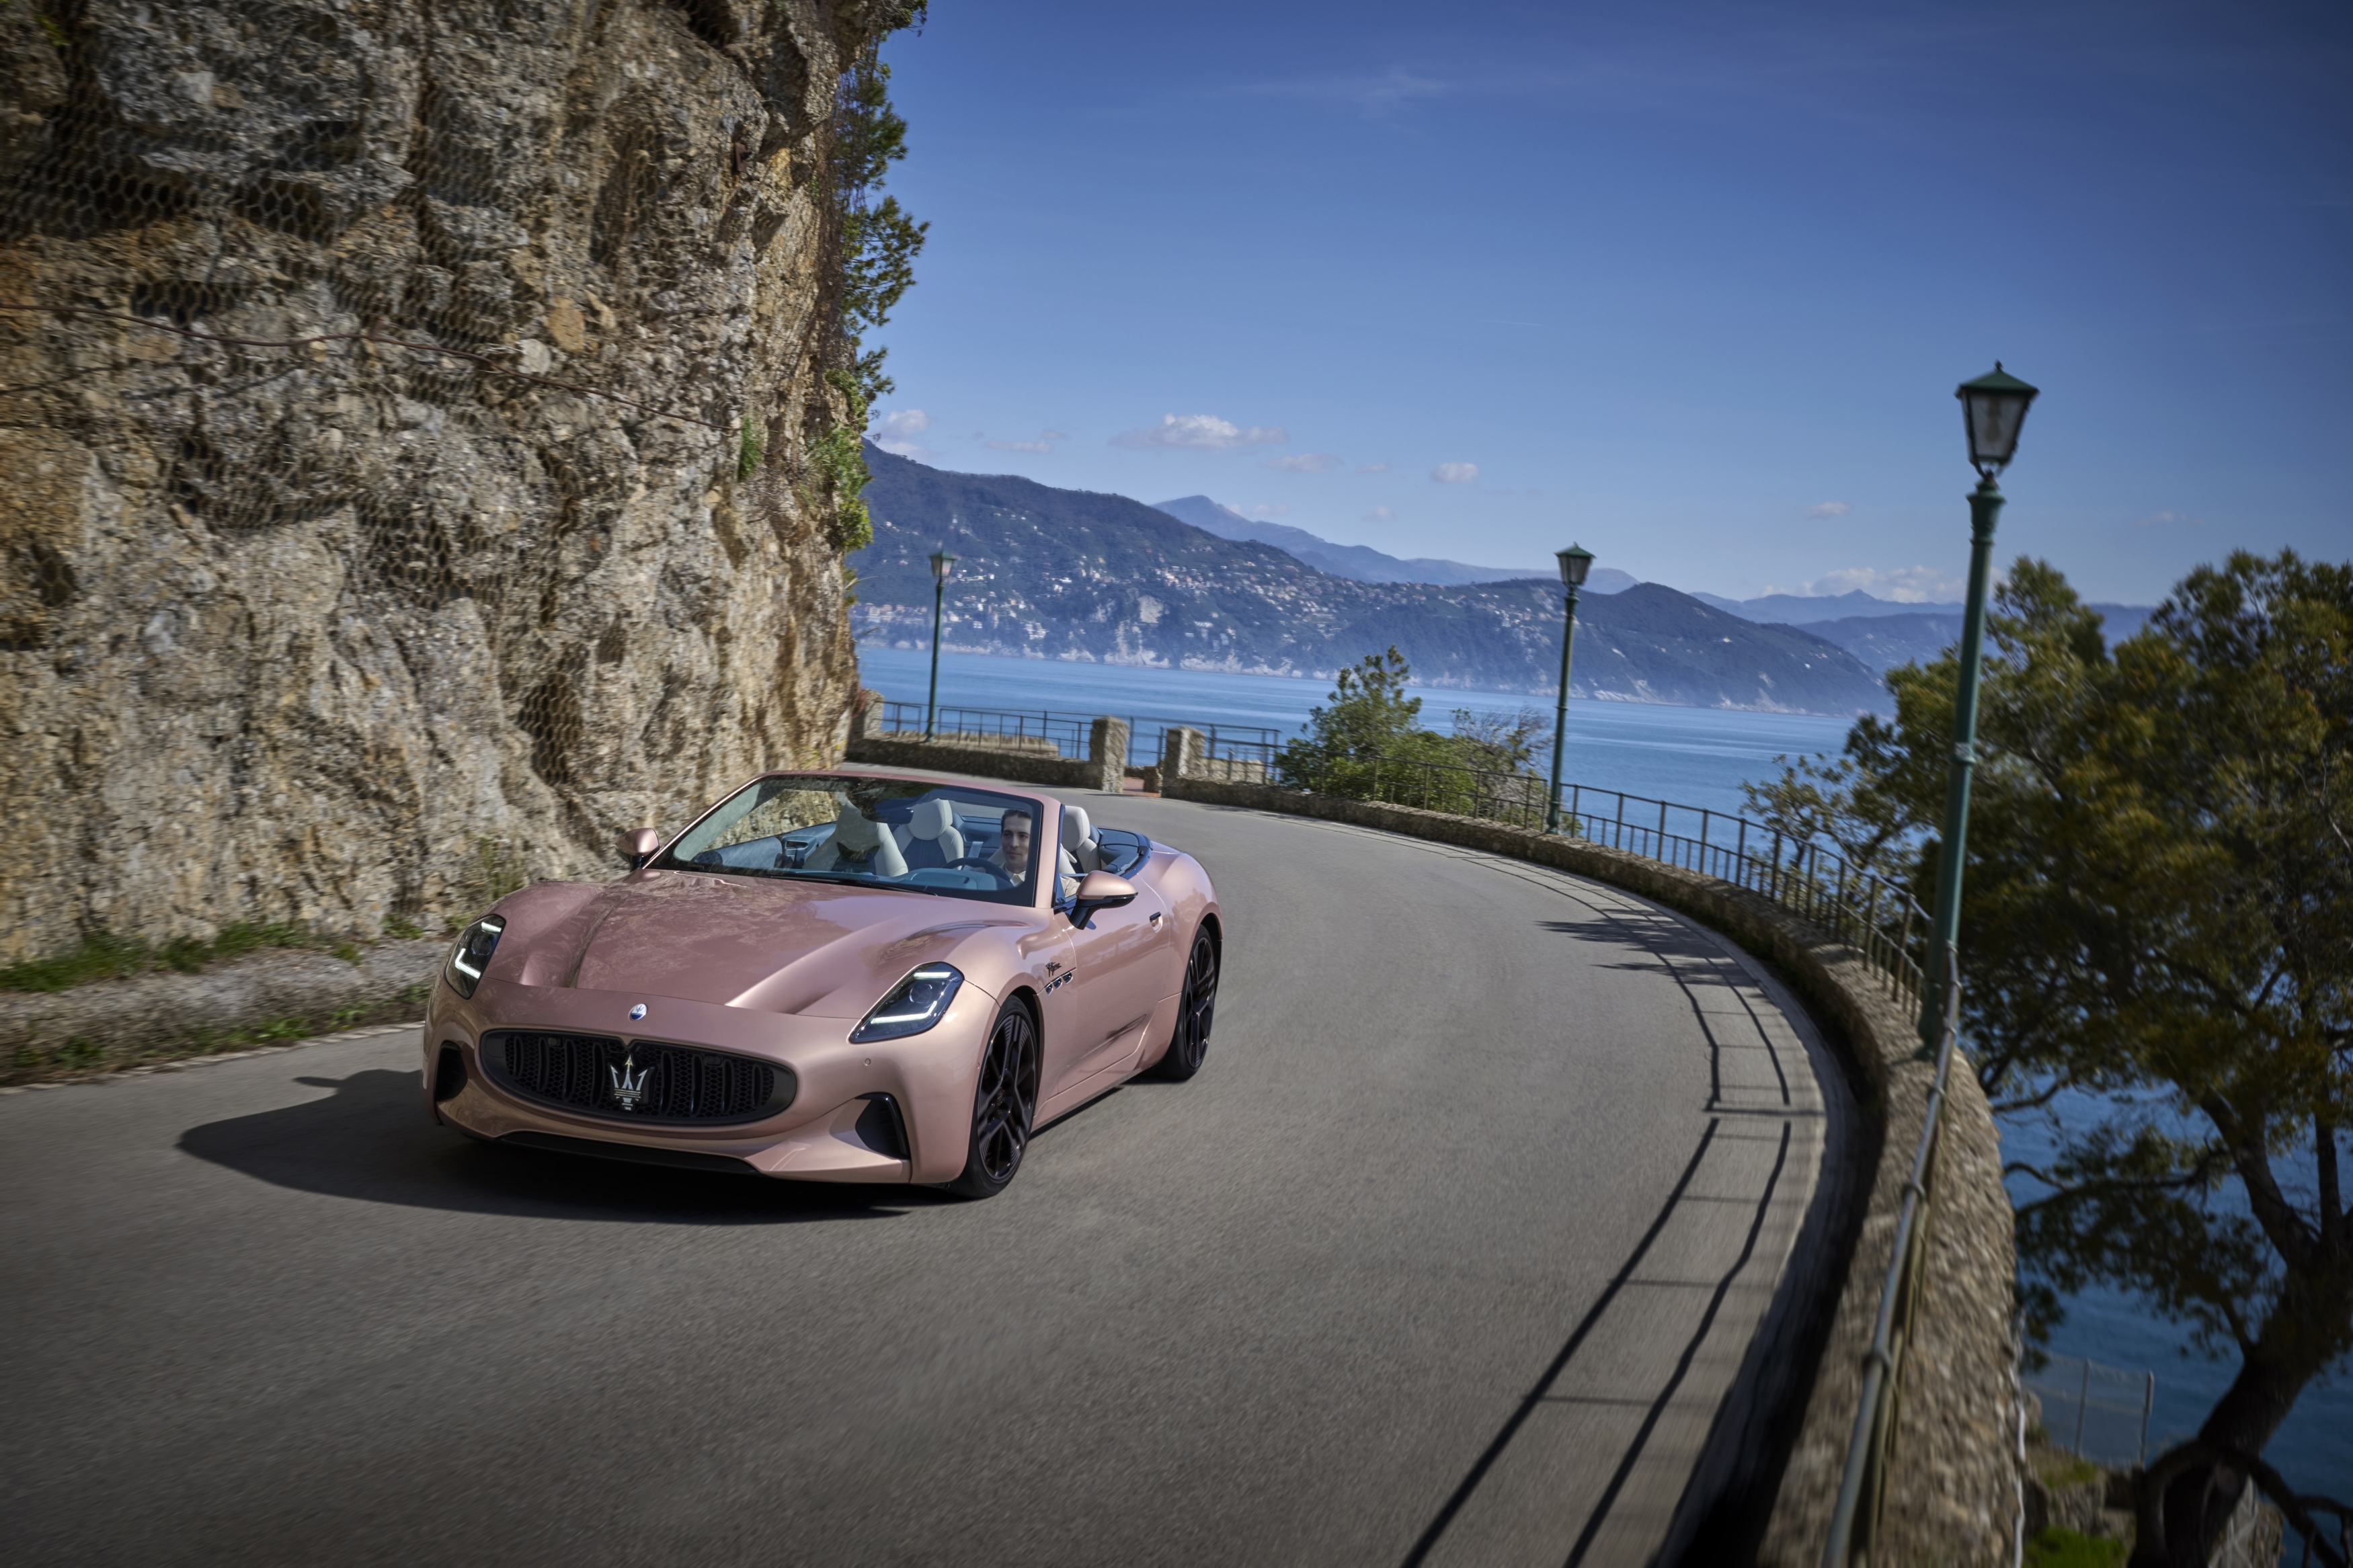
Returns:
point(1197, 1009)
point(1003, 1105)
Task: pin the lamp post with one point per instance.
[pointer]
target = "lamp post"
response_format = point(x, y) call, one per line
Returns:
point(942, 564)
point(1574, 565)
point(1993, 409)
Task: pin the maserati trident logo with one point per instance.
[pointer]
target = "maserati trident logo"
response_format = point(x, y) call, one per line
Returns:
point(637, 1011)
point(629, 1090)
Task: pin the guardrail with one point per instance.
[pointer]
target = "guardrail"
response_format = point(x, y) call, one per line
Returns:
point(1068, 732)
point(1871, 914)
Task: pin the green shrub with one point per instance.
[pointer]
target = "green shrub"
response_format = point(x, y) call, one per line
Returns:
point(2057, 1548)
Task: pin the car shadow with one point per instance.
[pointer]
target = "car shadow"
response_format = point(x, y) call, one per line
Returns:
point(370, 1141)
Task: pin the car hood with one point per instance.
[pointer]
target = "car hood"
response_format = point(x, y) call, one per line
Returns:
point(781, 946)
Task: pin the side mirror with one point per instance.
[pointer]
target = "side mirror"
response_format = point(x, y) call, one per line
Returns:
point(637, 846)
point(1100, 891)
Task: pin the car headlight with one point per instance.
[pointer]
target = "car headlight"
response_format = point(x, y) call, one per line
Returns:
point(472, 953)
point(912, 1006)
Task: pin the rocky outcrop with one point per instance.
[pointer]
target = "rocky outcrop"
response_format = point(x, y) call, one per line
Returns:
point(403, 411)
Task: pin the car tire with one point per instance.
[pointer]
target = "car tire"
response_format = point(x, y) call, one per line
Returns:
point(1004, 1104)
point(1197, 1010)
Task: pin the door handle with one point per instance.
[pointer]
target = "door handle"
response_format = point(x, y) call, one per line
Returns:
point(1155, 917)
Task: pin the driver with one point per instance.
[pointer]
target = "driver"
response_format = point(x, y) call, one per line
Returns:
point(1012, 852)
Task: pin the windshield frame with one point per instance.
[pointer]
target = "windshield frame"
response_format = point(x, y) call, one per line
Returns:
point(1029, 893)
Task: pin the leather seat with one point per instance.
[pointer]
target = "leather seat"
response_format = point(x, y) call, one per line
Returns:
point(1079, 839)
point(931, 839)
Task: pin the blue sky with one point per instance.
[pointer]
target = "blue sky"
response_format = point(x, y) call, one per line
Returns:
point(1689, 284)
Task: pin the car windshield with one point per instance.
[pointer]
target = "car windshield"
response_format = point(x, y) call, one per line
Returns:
point(948, 840)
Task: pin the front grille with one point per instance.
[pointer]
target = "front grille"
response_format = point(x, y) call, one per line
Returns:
point(636, 1081)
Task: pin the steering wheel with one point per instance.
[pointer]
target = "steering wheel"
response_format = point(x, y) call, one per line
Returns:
point(974, 863)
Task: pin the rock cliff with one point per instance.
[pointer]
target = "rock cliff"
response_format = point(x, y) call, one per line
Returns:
point(403, 407)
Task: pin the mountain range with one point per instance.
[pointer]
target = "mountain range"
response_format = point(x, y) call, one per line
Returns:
point(1882, 633)
point(1361, 561)
point(1055, 574)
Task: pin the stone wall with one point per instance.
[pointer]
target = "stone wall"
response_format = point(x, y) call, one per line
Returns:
point(405, 411)
point(1954, 1486)
point(1104, 768)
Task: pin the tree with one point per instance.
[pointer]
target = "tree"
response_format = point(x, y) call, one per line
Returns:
point(1367, 744)
point(879, 242)
point(2159, 925)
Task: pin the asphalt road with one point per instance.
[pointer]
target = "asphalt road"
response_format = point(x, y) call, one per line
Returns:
point(1449, 1255)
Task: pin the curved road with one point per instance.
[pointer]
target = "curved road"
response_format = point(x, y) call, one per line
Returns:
point(1450, 1255)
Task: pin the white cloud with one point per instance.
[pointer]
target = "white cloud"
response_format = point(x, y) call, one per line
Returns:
point(1302, 463)
point(1828, 509)
point(1455, 474)
point(1903, 584)
point(1262, 510)
point(2162, 518)
point(1202, 432)
point(1371, 96)
point(896, 431)
point(1380, 514)
point(1041, 446)
point(1371, 467)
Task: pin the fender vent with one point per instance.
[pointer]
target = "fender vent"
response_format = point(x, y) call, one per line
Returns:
point(636, 1081)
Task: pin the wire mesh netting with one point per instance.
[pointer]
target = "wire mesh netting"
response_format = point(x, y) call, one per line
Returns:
point(402, 414)
point(2098, 1412)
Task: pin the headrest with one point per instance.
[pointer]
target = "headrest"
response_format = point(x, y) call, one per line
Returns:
point(931, 818)
point(1076, 829)
point(853, 834)
point(853, 831)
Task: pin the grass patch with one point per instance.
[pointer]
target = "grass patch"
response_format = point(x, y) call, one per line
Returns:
point(2057, 1548)
point(79, 1057)
point(102, 957)
point(2064, 1471)
point(105, 956)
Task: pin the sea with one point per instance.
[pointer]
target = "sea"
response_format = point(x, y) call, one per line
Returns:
point(1692, 756)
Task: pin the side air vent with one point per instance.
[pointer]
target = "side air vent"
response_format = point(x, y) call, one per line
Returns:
point(881, 1127)
point(448, 1072)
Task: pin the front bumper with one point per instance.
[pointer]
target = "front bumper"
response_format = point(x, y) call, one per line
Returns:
point(929, 1077)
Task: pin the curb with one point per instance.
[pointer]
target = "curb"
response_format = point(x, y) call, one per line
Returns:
point(183, 1064)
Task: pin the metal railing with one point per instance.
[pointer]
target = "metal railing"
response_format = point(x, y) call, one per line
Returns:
point(1862, 1484)
point(1070, 733)
point(1871, 914)
point(1067, 732)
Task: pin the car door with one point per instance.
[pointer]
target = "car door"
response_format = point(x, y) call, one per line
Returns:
point(1117, 962)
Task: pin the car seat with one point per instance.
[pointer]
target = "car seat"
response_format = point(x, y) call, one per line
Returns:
point(1079, 839)
point(932, 838)
point(854, 839)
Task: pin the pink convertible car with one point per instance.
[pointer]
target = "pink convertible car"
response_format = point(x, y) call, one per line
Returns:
point(831, 977)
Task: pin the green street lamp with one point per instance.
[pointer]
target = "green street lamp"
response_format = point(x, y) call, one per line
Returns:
point(1993, 410)
point(1575, 563)
point(942, 564)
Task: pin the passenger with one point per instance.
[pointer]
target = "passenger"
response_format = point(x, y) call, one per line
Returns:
point(1012, 853)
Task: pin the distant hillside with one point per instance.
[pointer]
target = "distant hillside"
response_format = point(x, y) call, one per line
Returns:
point(1807, 609)
point(1058, 574)
point(1361, 561)
point(1884, 641)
